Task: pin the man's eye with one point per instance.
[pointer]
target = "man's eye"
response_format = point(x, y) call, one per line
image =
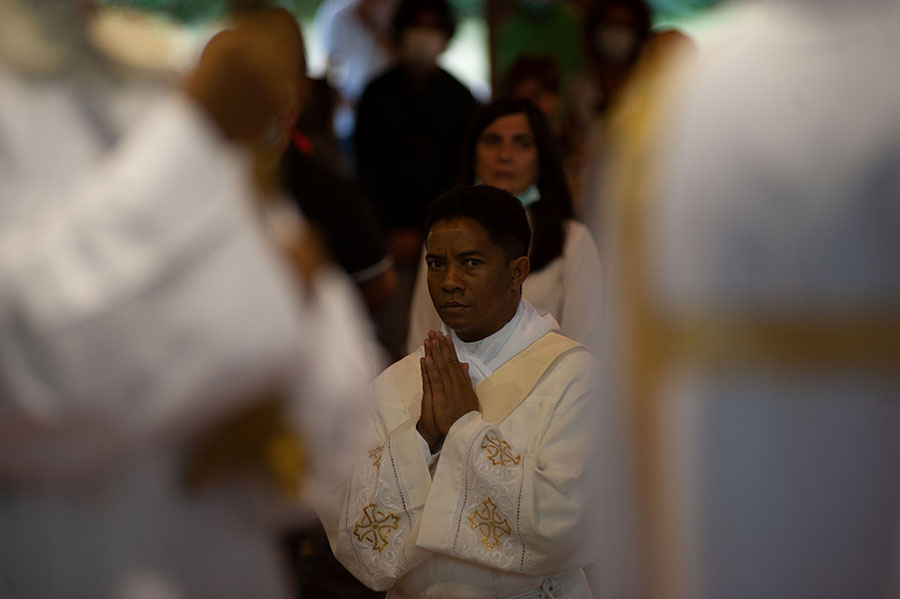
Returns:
point(472, 262)
point(432, 264)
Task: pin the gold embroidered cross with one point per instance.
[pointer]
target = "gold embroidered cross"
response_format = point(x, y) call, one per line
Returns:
point(376, 455)
point(375, 526)
point(490, 524)
point(499, 452)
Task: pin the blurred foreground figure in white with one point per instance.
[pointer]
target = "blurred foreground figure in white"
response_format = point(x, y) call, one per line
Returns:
point(753, 238)
point(151, 338)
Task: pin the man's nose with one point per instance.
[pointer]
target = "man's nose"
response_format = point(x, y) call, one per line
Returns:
point(452, 280)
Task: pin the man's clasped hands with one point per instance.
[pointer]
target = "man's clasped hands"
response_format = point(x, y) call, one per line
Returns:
point(447, 392)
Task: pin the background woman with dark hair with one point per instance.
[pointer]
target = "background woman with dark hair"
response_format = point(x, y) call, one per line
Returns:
point(510, 146)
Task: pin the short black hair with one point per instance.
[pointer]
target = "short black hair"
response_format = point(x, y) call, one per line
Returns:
point(408, 11)
point(498, 211)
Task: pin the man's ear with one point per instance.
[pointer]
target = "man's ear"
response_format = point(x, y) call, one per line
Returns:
point(518, 270)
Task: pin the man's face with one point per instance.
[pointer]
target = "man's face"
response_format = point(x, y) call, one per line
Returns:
point(473, 287)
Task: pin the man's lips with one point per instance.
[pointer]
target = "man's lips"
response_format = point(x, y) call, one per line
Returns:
point(453, 305)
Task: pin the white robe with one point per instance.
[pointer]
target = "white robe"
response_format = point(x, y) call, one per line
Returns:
point(567, 288)
point(140, 302)
point(775, 198)
point(502, 513)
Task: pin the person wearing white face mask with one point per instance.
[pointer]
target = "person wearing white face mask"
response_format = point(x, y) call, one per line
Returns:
point(614, 35)
point(510, 146)
point(410, 125)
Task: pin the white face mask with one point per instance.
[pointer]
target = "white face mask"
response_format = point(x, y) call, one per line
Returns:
point(616, 43)
point(423, 45)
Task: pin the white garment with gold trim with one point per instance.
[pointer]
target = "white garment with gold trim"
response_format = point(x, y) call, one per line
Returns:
point(501, 515)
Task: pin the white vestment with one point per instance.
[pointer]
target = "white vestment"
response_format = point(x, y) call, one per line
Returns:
point(139, 303)
point(501, 513)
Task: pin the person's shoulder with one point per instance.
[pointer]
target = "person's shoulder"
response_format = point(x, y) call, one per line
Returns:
point(573, 359)
point(562, 363)
point(578, 229)
point(390, 74)
point(579, 237)
point(554, 346)
point(384, 82)
point(564, 344)
point(449, 79)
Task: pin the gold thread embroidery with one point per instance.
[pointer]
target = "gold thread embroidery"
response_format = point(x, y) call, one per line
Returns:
point(376, 455)
point(375, 526)
point(499, 452)
point(490, 524)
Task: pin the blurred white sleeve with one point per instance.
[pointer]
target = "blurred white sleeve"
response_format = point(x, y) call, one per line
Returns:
point(141, 301)
point(331, 391)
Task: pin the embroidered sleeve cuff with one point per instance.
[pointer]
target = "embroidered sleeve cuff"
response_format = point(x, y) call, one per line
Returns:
point(430, 458)
point(407, 462)
point(448, 489)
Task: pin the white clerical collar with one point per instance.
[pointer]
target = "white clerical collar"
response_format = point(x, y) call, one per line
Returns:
point(486, 355)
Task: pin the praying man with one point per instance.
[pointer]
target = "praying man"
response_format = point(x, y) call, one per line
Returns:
point(475, 481)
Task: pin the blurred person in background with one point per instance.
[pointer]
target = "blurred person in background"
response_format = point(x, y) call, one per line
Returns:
point(660, 68)
point(341, 214)
point(332, 203)
point(315, 124)
point(356, 35)
point(344, 217)
point(510, 146)
point(410, 126)
point(542, 27)
point(613, 34)
point(145, 316)
point(537, 78)
point(754, 341)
